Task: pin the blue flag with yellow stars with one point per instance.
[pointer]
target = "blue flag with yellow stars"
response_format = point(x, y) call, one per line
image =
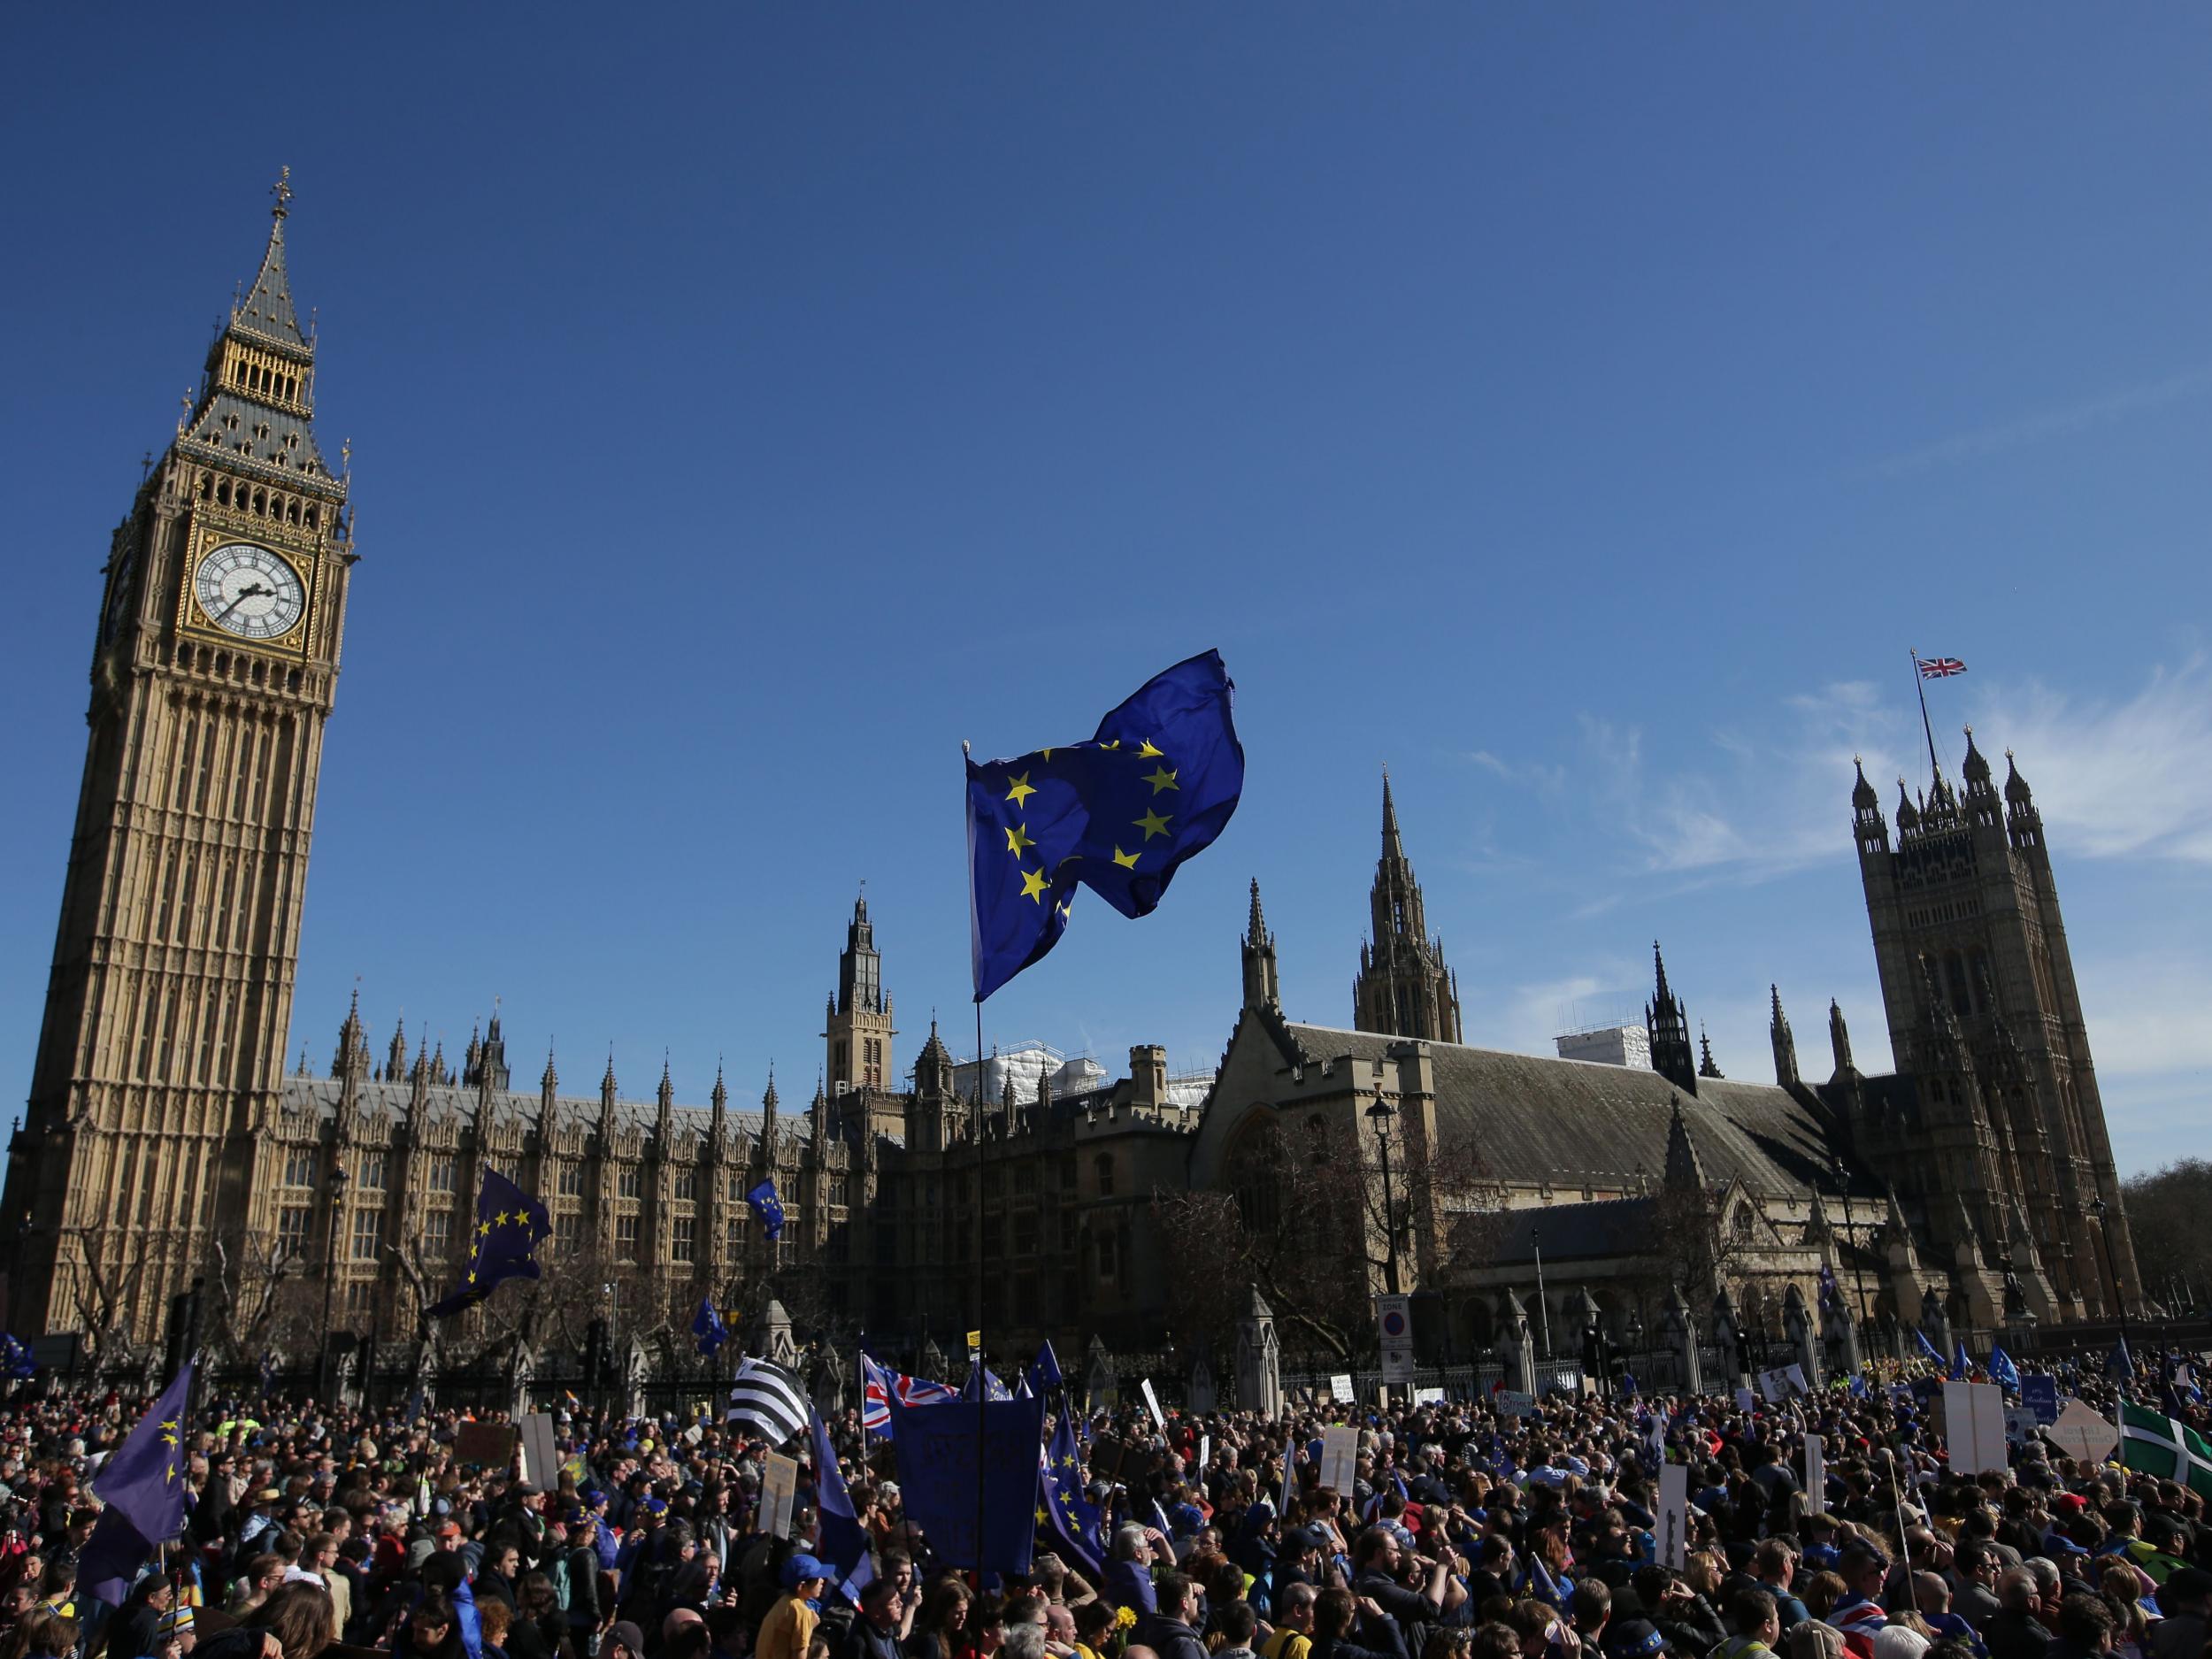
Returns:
point(769, 1207)
point(707, 1328)
point(1065, 1514)
point(1154, 786)
point(508, 1224)
point(142, 1487)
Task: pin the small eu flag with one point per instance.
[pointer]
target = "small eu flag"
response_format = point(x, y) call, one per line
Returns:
point(707, 1327)
point(1154, 786)
point(769, 1207)
point(508, 1224)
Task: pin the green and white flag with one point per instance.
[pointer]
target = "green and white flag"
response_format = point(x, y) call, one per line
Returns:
point(2157, 1445)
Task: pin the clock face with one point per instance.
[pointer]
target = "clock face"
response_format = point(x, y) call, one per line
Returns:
point(249, 591)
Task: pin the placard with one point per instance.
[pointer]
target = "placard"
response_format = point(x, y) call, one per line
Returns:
point(1511, 1402)
point(1428, 1396)
point(1341, 1388)
point(1746, 1400)
point(1205, 1451)
point(1815, 1473)
point(1152, 1404)
point(778, 1486)
point(1340, 1460)
point(1783, 1382)
point(2020, 1424)
point(490, 1444)
point(1974, 1427)
point(2039, 1394)
point(540, 1467)
point(1673, 1530)
point(2082, 1432)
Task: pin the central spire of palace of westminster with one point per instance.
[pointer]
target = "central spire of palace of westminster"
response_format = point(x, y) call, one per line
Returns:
point(1403, 987)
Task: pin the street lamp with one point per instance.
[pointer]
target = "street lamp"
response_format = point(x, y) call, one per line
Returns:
point(2100, 1209)
point(1543, 1312)
point(1380, 1115)
point(338, 1178)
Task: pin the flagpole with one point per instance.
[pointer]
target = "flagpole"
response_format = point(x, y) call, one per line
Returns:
point(1920, 684)
point(975, 1362)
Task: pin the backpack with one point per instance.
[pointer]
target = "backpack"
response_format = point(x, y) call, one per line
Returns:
point(557, 1570)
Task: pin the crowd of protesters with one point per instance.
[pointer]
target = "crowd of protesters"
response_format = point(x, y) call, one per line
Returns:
point(1465, 1533)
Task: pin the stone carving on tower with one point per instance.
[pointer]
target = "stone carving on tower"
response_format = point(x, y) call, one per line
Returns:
point(214, 666)
point(1403, 988)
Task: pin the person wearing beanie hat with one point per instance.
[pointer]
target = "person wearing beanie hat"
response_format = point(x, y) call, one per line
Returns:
point(788, 1630)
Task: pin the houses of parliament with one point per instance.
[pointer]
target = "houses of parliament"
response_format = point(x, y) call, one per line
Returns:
point(166, 1138)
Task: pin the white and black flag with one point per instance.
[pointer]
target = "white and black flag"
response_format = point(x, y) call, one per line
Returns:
point(771, 1399)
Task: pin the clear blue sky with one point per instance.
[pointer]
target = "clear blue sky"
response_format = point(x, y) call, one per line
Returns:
point(1579, 408)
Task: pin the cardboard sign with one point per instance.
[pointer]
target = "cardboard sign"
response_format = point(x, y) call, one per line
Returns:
point(491, 1444)
point(1974, 1427)
point(778, 1487)
point(2082, 1432)
point(2020, 1424)
point(1340, 1460)
point(540, 1467)
point(1673, 1530)
point(1428, 1396)
point(1512, 1403)
point(1152, 1404)
point(1341, 1388)
point(1746, 1400)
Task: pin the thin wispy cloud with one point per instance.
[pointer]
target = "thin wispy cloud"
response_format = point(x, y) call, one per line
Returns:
point(2044, 425)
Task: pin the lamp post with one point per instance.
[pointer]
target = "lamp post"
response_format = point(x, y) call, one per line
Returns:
point(1851, 1236)
point(338, 1178)
point(1543, 1312)
point(1380, 1115)
point(2100, 1209)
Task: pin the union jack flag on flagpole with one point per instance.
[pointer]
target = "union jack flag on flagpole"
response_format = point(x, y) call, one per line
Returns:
point(881, 1383)
point(1939, 667)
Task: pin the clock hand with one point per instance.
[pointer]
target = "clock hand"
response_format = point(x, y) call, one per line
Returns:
point(252, 590)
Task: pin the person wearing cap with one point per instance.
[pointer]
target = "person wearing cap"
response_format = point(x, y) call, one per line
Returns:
point(789, 1629)
point(623, 1640)
point(1635, 1639)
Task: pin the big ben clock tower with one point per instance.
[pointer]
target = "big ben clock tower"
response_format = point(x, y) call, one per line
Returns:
point(214, 662)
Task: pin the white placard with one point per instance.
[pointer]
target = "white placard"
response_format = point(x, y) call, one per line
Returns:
point(1974, 1427)
point(1816, 1472)
point(2082, 1433)
point(1341, 1388)
point(1340, 1460)
point(1511, 1402)
point(1205, 1451)
point(778, 1486)
point(1152, 1404)
point(539, 1466)
point(1428, 1396)
point(1746, 1400)
point(1673, 1530)
point(1783, 1382)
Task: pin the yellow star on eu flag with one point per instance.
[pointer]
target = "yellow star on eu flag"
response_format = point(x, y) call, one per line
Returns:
point(1152, 824)
point(1017, 841)
point(1020, 790)
point(1161, 779)
point(1034, 885)
point(1127, 861)
point(1148, 752)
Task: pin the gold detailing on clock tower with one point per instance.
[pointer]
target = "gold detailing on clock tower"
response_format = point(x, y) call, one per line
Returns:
point(161, 1057)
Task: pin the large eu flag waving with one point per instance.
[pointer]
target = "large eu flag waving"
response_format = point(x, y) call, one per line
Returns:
point(1118, 814)
point(142, 1485)
point(508, 1224)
